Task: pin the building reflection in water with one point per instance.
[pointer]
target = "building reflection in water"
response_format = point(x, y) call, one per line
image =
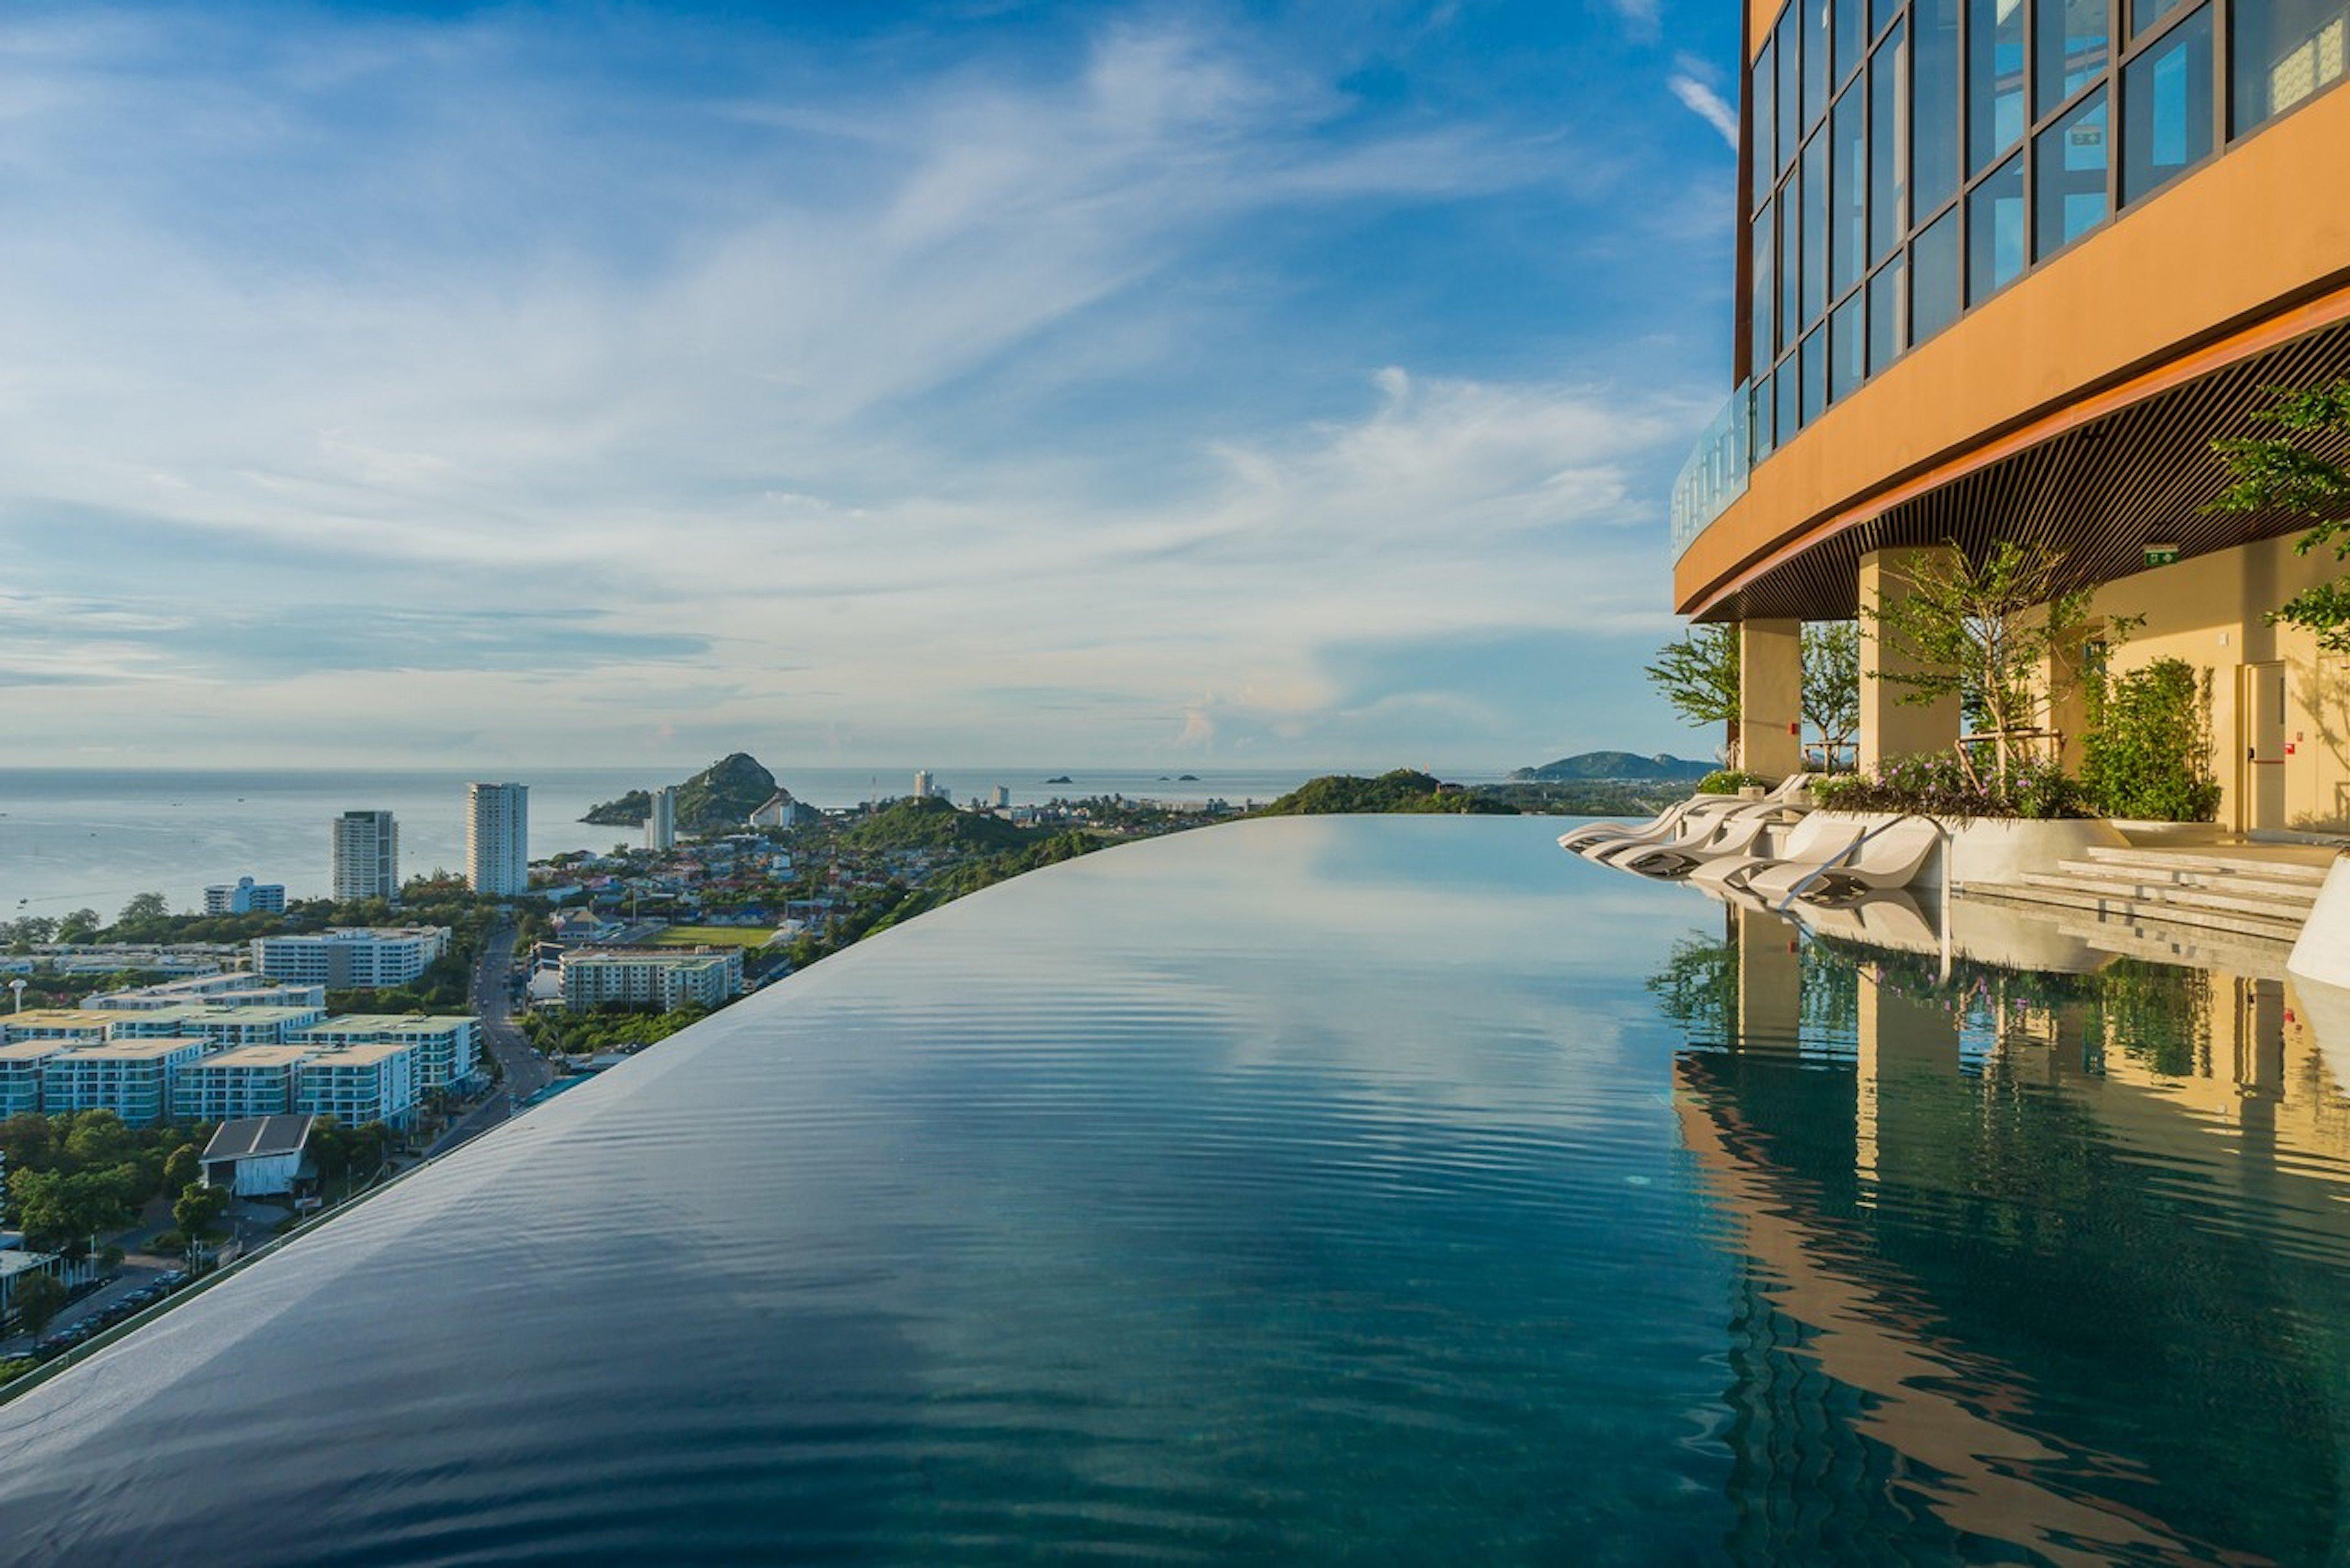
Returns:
point(2045, 1260)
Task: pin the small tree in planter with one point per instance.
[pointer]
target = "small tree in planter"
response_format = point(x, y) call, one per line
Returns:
point(1697, 673)
point(2148, 749)
point(1832, 685)
point(1987, 633)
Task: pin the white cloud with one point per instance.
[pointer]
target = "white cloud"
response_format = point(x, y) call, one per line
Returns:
point(1706, 104)
point(511, 361)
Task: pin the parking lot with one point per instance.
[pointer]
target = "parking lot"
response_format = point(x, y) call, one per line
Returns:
point(131, 1289)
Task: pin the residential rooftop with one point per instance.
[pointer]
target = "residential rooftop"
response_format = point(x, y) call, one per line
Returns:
point(134, 1050)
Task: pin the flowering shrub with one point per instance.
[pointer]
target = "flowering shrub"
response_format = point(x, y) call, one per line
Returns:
point(1729, 781)
point(1938, 785)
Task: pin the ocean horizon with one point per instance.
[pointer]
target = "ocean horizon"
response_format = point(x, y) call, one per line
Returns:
point(95, 837)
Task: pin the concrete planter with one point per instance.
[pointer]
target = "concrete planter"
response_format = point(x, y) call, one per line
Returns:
point(2143, 833)
point(1999, 848)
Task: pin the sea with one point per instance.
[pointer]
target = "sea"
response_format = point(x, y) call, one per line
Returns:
point(93, 838)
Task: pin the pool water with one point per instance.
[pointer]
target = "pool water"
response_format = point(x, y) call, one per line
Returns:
point(1366, 1189)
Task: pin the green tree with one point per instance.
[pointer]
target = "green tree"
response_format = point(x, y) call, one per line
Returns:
point(144, 907)
point(98, 1139)
point(59, 1211)
point(182, 1169)
point(1832, 685)
point(1983, 632)
point(78, 927)
point(38, 1298)
point(196, 1211)
point(2290, 473)
point(1697, 673)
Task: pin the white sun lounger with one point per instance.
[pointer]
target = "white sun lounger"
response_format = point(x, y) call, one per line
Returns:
point(1888, 856)
point(1814, 841)
point(1738, 833)
point(1692, 818)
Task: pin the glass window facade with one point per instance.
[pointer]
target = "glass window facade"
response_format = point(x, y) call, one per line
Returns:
point(2166, 108)
point(1915, 157)
point(2069, 171)
point(2284, 51)
point(1995, 232)
point(1888, 144)
point(1848, 191)
point(2072, 39)
point(1994, 79)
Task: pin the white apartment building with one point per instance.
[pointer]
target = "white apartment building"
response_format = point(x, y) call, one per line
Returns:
point(82, 1025)
point(21, 1065)
point(132, 1078)
point(250, 1081)
point(221, 1028)
point(497, 839)
point(367, 856)
point(665, 977)
point(661, 819)
point(209, 991)
point(355, 956)
point(246, 897)
point(446, 1044)
point(922, 783)
point(371, 1082)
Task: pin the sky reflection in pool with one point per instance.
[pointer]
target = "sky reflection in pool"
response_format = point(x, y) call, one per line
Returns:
point(1370, 1190)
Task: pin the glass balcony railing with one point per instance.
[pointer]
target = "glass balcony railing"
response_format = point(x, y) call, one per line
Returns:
point(1715, 473)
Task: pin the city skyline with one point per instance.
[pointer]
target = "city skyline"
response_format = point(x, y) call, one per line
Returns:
point(1148, 384)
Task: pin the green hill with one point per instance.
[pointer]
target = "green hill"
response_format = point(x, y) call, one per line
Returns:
point(720, 797)
point(1586, 765)
point(1400, 791)
point(918, 822)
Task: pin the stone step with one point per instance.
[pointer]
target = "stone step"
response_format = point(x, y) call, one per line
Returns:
point(2212, 860)
point(2275, 901)
point(2146, 911)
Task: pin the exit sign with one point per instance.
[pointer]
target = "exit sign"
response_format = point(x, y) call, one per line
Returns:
point(2161, 555)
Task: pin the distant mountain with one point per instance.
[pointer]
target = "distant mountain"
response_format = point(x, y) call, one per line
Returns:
point(721, 797)
point(1586, 765)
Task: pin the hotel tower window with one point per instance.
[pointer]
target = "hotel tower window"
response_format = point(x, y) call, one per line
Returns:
point(2166, 108)
point(2284, 50)
point(1994, 80)
point(2069, 176)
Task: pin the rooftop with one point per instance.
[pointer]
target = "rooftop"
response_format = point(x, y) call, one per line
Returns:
point(253, 1137)
point(362, 1055)
point(31, 1050)
point(258, 1056)
point(59, 1018)
point(388, 1023)
point(133, 1049)
point(245, 1015)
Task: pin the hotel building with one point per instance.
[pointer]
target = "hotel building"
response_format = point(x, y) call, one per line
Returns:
point(221, 1028)
point(497, 839)
point(651, 977)
point(366, 857)
point(132, 1078)
point(251, 1081)
point(446, 1053)
point(371, 1082)
point(358, 956)
point(660, 818)
point(209, 991)
point(21, 1065)
point(2006, 268)
point(244, 897)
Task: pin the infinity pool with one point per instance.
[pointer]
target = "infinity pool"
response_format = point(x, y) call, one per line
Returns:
point(1314, 1190)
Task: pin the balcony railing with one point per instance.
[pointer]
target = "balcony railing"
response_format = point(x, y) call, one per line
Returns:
point(1715, 473)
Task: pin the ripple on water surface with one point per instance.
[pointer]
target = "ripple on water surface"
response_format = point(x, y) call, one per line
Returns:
point(1364, 1190)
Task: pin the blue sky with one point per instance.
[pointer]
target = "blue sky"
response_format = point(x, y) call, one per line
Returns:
point(983, 381)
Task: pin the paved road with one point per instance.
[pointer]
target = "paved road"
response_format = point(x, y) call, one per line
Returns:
point(526, 1070)
point(128, 1279)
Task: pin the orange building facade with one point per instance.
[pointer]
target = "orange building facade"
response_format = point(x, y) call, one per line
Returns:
point(2007, 267)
